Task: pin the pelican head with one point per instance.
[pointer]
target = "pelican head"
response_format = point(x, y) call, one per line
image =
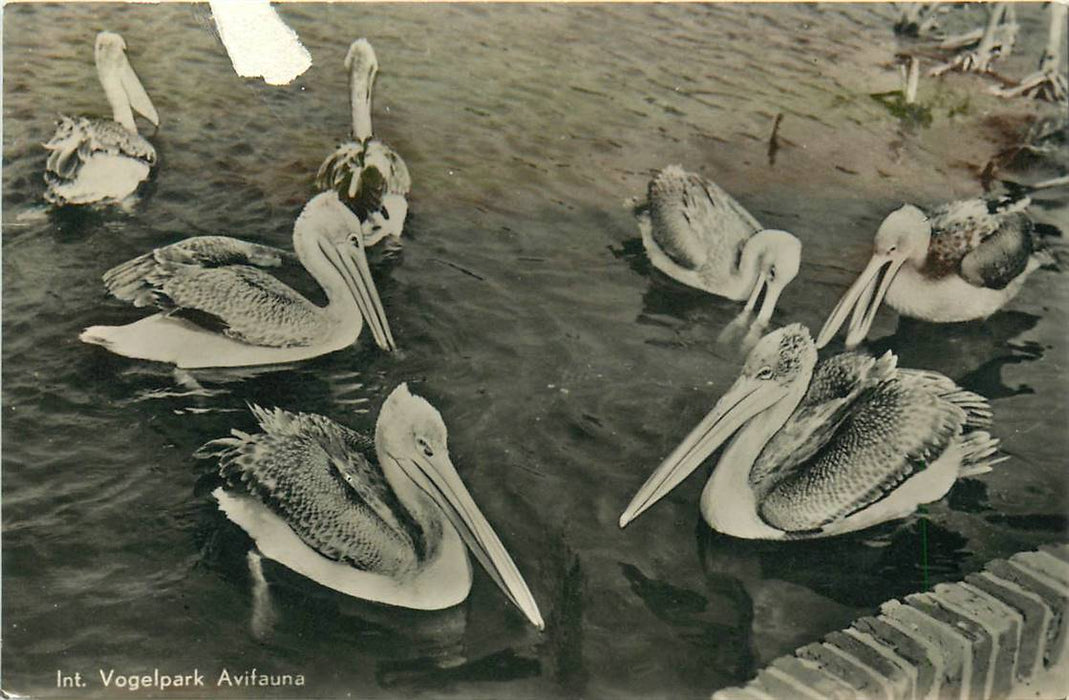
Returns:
point(363, 67)
point(903, 236)
point(326, 231)
point(776, 374)
point(109, 46)
point(411, 436)
point(361, 58)
point(121, 85)
point(778, 255)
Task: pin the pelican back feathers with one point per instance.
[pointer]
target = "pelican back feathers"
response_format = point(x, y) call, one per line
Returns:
point(836, 384)
point(316, 475)
point(128, 281)
point(863, 429)
point(363, 174)
point(987, 241)
point(77, 141)
point(694, 221)
point(247, 304)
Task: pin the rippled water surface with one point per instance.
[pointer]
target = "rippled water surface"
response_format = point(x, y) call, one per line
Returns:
point(565, 369)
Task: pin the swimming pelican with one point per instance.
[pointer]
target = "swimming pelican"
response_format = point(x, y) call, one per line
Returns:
point(241, 315)
point(854, 443)
point(696, 233)
point(963, 263)
point(383, 520)
point(369, 175)
point(93, 160)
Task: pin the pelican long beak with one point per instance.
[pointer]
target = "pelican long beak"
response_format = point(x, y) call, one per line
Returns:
point(862, 299)
point(755, 294)
point(772, 291)
point(135, 92)
point(351, 263)
point(437, 476)
point(743, 401)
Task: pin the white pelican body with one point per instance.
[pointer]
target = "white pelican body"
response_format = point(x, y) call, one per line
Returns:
point(98, 160)
point(441, 583)
point(383, 521)
point(697, 234)
point(241, 315)
point(369, 176)
point(964, 263)
point(855, 443)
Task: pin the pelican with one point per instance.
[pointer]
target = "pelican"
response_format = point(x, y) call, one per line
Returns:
point(241, 315)
point(384, 520)
point(696, 233)
point(963, 263)
point(94, 160)
point(369, 175)
point(813, 453)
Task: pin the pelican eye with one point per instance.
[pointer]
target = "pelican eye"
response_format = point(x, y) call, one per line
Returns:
point(425, 447)
point(764, 373)
point(772, 272)
point(892, 249)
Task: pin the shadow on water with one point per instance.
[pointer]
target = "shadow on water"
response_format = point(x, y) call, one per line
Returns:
point(910, 556)
point(692, 314)
point(500, 667)
point(74, 224)
point(764, 599)
point(971, 353)
point(564, 629)
point(716, 621)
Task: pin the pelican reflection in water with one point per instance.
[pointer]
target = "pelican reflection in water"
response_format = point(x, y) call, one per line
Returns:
point(964, 262)
point(218, 309)
point(818, 450)
point(383, 519)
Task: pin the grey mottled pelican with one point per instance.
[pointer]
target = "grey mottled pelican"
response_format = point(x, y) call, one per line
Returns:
point(819, 452)
point(94, 160)
point(366, 173)
point(383, 520)
point(217, 310)
point(964, 262)
point(694, 232)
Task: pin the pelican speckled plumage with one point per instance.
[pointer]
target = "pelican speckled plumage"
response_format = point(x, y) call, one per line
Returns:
point(366, 173)
point(217, 310)
point(816, 451)
point(383, 520)
point(94, 160)
point(963, 262)
point(697, 234)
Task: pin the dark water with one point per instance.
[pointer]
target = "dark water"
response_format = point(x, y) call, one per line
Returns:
point(564, 368)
